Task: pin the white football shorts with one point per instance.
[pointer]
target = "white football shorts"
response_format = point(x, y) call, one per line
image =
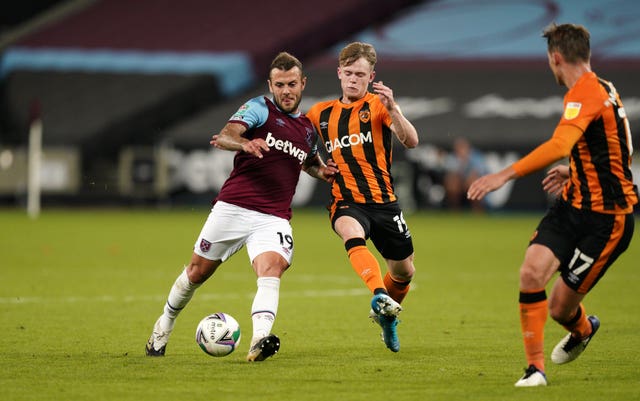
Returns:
point(229, 227)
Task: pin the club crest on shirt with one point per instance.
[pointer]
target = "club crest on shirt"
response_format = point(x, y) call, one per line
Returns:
point(239, 115)
point(205, 245)
point(572, 110)
point(309, 136)
point(364, 115)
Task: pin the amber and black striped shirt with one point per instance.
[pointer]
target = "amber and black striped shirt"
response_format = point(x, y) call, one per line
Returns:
point(358, 138)
point(600, 174)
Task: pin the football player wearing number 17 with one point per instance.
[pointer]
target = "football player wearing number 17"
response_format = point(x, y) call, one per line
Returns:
point(274, 142)
point(357, 131)
point(591, 223)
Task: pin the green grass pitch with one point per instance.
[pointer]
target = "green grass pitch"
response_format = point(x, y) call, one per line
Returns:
point(81, 289)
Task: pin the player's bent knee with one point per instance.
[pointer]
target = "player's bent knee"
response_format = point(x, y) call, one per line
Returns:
point(559, 314)
point(402, 271)
point(531, 277)
point(200, 269)
point(270, 264)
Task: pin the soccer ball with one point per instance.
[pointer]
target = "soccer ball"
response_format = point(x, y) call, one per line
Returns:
point(218, 334)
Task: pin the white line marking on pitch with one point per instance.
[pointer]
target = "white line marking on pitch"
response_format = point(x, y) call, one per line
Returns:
point(201, 295)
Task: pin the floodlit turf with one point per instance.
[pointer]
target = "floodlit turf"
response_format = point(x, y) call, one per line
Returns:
point(81, 289)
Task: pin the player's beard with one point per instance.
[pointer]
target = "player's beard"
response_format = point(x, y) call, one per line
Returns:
point(291, 109)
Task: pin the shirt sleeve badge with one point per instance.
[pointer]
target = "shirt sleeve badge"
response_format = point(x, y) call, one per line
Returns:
point(572, 110)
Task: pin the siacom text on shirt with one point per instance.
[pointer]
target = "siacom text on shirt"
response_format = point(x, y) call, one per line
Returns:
point(286, 147)
point(348, 140)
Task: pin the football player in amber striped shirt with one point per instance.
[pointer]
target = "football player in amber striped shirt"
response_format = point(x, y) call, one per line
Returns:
point(591, 223)
point(357, 131)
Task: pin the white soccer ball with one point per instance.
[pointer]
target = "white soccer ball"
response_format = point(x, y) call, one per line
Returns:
point(218, 334)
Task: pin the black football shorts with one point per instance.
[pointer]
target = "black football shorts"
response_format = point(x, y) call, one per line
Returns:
point(383, 223)
point(585, 242)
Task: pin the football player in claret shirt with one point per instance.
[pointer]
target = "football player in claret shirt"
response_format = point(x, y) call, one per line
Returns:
point(274, 142)
point(591, 223)
point(358, 130)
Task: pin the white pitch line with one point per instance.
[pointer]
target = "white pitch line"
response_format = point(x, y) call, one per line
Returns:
point(335, 293)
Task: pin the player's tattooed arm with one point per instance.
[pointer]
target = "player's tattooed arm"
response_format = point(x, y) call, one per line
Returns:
point(230, 138)
point(315, 167)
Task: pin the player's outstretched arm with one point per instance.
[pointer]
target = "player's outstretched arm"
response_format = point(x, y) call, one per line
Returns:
point(549, 152)
point(490, 182)
point(230, 138)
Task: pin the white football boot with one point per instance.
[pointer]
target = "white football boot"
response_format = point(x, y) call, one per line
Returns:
point(532, 378)
point(157, 344)
point(569, 348)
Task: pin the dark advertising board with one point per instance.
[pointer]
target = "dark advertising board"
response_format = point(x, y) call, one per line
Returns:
point(503, 109)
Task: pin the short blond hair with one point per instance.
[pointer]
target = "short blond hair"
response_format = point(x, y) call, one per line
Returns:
point(356, 50)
